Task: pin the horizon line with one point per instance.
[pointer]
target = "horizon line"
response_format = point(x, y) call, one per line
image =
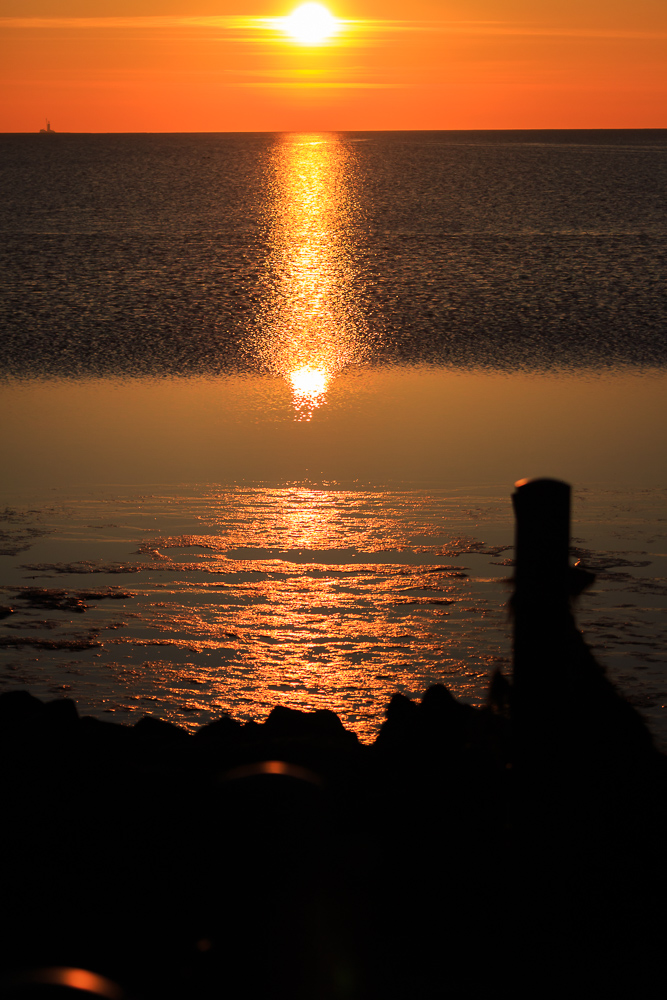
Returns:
point(301, 131)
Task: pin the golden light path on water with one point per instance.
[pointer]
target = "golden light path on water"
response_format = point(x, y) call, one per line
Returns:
point(336, 579)
point(243, 599)
point(310, 328)
point(200, 601)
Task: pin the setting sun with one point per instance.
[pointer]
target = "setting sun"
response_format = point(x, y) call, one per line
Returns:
point(311, 23)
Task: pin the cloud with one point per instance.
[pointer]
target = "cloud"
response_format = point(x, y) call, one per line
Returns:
point(232, 23)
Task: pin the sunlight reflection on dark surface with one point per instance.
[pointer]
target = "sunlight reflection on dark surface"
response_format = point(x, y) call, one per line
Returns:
point(352, 327)
point(251, 598)
point(503, 252)
point(311, 325)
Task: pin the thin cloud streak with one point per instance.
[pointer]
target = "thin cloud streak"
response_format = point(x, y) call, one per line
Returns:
point(321, 85)
point(234, 22)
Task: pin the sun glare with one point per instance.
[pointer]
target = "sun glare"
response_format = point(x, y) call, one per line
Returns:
point(309, 385)
point(311, 23)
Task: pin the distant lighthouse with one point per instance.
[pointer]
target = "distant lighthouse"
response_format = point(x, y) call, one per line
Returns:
point(48, 130)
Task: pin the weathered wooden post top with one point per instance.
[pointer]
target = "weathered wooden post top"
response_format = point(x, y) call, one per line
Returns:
point(542, 539)
point(541, 557)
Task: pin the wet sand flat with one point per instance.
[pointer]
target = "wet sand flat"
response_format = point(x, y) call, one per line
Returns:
point(189, 602)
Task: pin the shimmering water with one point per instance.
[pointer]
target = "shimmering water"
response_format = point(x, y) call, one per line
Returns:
point(348, 347)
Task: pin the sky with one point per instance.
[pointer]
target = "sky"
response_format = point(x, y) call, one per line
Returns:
point(207, 66)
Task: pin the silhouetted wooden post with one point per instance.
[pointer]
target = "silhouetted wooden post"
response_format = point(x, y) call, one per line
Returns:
point(542, 541)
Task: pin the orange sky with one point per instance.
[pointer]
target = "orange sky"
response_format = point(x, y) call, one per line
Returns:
point(205, 66)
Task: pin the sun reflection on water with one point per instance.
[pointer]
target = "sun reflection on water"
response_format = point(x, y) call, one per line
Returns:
point(309, 386)
point(253, 597)
point(317, 599)
point(311, 326)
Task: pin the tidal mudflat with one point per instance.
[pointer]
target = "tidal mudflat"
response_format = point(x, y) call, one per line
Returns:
point(192, 602)
point(264, 399)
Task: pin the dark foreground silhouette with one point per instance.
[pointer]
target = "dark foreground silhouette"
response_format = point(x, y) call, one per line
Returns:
point(512, 849)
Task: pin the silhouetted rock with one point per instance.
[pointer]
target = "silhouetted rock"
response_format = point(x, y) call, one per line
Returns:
point(439, 724)
point(17, 708)
point(61, 712)
point(150, 729)
point(218, 735)
point(444, 718)
point(291, 724)
point(107, 749)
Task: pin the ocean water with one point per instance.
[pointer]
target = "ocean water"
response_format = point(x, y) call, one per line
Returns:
point(264, 397)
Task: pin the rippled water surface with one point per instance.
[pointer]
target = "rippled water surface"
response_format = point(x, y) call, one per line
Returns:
point(348, 346)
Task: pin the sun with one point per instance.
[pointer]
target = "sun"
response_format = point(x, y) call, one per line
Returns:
point(311, 23)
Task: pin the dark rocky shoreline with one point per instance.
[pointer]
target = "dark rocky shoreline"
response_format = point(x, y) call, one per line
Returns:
point(438, 861)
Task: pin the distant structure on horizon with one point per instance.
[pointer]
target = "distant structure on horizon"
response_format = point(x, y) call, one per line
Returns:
point(48, 130)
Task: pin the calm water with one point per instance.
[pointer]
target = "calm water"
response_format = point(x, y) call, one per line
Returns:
point(265, 396)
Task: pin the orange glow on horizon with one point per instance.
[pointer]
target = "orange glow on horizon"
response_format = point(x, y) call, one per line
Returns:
point(483, 68)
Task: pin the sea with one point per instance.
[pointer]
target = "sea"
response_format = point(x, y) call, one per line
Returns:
point(264, 399)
